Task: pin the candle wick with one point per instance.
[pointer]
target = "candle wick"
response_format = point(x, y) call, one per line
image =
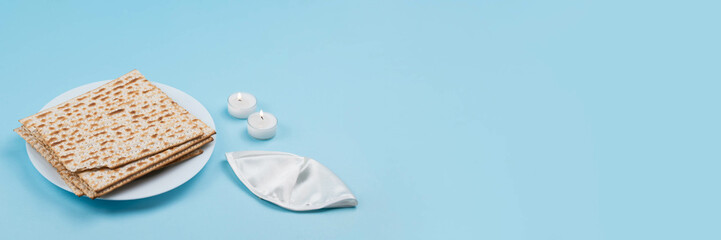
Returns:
point(261, 117)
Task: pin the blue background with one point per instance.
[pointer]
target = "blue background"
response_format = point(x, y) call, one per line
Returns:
point(447, 119)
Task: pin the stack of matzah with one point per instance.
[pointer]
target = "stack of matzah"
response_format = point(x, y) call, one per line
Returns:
point(108, 137)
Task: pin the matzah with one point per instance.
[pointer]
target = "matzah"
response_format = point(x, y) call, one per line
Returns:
point(64, 173)
point(99, 179)
point(110, 126)
point(88, 131)
point(104, 178)
point(156, 166)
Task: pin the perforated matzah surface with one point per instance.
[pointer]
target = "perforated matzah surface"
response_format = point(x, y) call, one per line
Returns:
point(109, 119)
point(120, 122)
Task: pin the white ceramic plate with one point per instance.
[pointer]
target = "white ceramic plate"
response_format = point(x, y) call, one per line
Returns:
point(149, 185)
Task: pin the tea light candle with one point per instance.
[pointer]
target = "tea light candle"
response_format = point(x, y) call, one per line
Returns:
point(241, 105)
point(262, 125)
